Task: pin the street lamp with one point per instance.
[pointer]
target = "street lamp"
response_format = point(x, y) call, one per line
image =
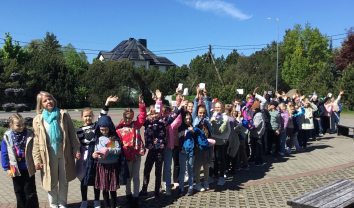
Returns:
point(276, 79)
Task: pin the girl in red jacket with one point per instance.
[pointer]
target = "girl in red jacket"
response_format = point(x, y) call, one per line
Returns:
point(133, 146)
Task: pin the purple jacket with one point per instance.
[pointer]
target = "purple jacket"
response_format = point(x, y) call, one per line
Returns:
point(284, 119)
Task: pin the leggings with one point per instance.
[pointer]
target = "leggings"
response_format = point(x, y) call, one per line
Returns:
point(84, 192)
point(154, 156)
point(219, 161)
point(110, 203)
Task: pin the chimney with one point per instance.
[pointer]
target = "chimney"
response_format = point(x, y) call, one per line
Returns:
point(130, 39)
point(143, 42)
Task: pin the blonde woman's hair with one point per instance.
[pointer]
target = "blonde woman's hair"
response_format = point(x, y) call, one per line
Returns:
point(222, 106)
point(40, 95)
point(248, 97)
point(15, 117)
point(86, 109)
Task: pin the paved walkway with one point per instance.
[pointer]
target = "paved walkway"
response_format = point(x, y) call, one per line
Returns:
point(271, 185)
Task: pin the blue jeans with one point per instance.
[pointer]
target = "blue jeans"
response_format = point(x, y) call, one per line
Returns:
point(282, 137)
point(183, 159)
point(167, 162)
point(334, 120)
point(320, 125)
point(296, 143)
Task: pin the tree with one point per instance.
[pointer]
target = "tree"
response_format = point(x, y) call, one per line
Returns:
point(347, 84)
point(77, 62)
point(51, 44)
point(232, 58)
point(103, 79)
point(346, 55)
point(306, 50)
point(13, 51)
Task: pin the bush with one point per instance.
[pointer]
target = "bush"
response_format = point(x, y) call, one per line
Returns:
point(2, 131)
point(77, 124)
point(187, 97)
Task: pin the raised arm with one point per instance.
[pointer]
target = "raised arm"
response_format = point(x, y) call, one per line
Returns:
point(105, 108)
point(207, 104)
point(339, 96)
point(159, 101)
point(262, 100)
point(142, 115)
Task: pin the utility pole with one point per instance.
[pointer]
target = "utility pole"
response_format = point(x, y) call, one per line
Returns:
point(211, 57)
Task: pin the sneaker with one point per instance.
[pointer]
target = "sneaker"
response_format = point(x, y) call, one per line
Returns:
point(199, 187)
point(157, 196)
point(143, 193)
point(180, 192)
point(221, 181)
point(244, 167)
point(83, 204)
point(258, 164)
point(288, 151)
point(168, 191)
point(206, 186)
point(281, 153)
point(320, 134)
point(190, 191)
point(210, 181)
point(96, 204)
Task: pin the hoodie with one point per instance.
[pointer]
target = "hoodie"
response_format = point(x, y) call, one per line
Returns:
point(89, 179)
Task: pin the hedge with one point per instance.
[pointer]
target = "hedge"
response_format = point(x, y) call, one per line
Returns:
point(187, 97)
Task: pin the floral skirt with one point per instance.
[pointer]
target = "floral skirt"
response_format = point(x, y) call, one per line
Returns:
point(107, 177)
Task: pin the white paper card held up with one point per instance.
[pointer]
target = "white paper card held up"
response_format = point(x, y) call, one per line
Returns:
point(180, 86)
point(202, 86)
point(185, 91)
point(238, 108)
point(240, 91)
point(174, 104)
point(269, 92)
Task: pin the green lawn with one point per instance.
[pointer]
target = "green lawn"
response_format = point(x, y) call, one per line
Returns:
point(347, 112)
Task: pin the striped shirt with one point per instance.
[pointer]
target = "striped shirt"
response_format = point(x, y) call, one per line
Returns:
point(87, 133)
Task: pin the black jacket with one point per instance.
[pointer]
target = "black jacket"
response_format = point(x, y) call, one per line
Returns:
point(91, 163)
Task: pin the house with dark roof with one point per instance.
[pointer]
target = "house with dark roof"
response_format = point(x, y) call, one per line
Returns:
point(136, 52)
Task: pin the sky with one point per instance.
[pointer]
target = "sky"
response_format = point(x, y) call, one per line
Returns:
point(177, 29)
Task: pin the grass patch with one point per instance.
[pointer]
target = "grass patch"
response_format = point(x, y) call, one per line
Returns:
point(347, 112)
point(77, 123)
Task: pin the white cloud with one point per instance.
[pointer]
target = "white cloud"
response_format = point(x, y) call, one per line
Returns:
point(218, 7)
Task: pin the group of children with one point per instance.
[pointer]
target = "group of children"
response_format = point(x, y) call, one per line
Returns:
point(193, 134)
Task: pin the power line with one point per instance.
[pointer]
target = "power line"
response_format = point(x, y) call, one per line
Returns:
point(185, 50)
